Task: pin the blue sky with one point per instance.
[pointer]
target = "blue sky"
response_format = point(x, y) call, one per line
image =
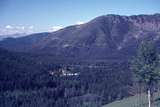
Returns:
point(42, 15)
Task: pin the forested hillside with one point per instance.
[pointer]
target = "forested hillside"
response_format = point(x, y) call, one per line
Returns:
point(26, 82)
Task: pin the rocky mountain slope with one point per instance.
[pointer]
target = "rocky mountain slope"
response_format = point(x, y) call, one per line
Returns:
point(103, 37)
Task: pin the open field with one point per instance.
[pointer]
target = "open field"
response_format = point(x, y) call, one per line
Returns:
point(136, 101)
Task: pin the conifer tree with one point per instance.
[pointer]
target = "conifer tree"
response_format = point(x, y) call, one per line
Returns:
point(146, 66)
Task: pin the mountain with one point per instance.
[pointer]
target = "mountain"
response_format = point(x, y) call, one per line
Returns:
point(34, 76)
point(2, 37)
point(103, 37)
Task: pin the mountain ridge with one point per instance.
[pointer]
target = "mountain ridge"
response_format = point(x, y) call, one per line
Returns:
point(98, 38)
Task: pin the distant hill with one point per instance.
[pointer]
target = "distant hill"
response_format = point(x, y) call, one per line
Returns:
point(2, 37)
point(103, 37)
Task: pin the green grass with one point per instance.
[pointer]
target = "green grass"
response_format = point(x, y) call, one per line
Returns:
point(136, 101)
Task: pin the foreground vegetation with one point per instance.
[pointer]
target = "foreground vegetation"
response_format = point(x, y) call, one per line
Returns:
point(139, 100)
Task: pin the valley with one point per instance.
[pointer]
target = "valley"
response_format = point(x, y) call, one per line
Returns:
point(85, 65)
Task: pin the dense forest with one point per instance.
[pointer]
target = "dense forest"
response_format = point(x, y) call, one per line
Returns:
point(31, 81)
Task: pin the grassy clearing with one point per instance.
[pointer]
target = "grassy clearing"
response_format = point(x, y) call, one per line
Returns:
point(136, 101)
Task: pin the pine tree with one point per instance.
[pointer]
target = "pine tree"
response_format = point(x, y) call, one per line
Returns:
point(146, 66)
